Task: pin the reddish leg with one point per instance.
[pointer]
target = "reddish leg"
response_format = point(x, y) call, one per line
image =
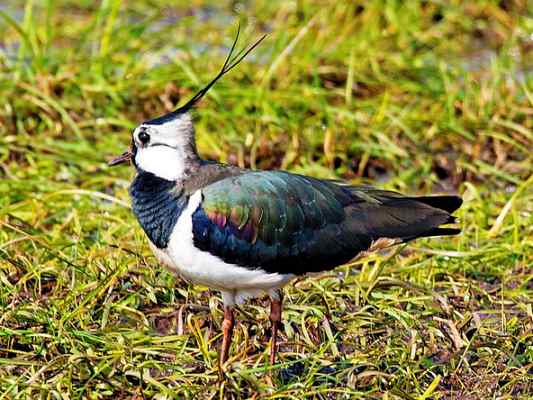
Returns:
point(227, 327)
point(275, 319)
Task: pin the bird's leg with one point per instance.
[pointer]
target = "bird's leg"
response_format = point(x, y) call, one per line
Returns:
point(275, 319)
point(227, 329)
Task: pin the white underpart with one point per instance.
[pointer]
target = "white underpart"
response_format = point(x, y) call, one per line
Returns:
point(236, 283)
point(161, 161)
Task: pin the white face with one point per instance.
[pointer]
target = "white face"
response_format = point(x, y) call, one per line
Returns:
point(161, 147)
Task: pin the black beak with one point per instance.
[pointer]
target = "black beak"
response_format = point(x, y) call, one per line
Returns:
point(124, 157)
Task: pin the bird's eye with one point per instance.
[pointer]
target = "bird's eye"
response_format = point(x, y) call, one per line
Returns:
point(144, 137)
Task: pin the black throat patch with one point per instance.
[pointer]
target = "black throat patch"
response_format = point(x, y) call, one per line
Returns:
point(157, 203)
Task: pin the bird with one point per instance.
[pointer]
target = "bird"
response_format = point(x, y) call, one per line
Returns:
point(248, 233)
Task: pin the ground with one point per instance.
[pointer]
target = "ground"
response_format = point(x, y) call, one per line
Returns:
point(417, 96)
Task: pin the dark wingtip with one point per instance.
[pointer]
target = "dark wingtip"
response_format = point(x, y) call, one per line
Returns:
point(445, 203)
point(443, 232)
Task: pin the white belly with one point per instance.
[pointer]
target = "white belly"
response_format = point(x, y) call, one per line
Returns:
point(237, 283)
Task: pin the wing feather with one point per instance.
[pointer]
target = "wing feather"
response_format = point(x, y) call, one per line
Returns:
point(289, 223)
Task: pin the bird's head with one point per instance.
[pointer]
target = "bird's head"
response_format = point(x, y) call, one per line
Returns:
point(163, 145)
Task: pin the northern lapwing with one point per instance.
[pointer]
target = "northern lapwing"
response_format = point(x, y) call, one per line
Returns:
point(248, 233)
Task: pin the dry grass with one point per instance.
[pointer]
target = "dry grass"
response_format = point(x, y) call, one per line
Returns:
point(417, 96)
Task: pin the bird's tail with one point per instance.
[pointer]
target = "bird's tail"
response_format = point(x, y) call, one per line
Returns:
point(448, 204)
point(383, 214)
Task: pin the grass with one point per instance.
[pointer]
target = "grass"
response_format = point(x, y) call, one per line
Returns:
point(416, 96)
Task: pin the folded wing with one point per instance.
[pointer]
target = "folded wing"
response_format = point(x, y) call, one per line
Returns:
point(289, 223)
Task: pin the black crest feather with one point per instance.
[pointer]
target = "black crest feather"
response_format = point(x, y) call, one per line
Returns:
point(232, 60)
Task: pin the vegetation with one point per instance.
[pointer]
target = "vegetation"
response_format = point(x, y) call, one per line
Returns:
point(416, 96)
